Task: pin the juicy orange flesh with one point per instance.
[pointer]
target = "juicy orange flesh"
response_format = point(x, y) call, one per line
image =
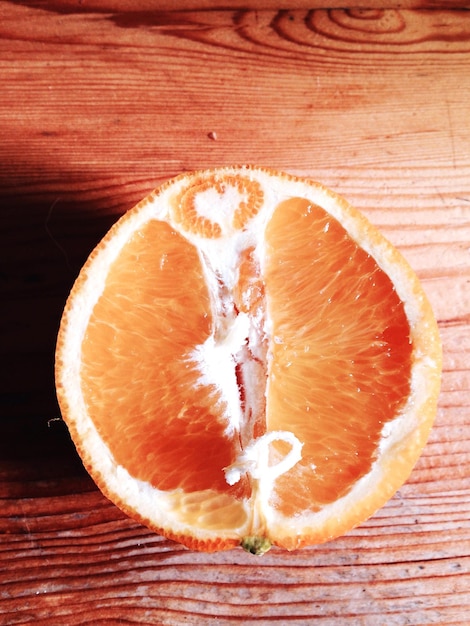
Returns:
point(185, 210)
point(137, 377)
point(338, 369)
point(341, 353)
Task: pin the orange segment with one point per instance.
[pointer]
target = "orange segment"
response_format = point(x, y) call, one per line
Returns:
point(341, 352)
point(249, 291)
point(140, 383)
point(243, 196)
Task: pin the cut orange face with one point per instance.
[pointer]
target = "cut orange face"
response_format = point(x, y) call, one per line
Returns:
point(245, 360)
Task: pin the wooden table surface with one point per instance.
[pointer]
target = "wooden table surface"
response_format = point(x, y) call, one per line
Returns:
point(99, 102)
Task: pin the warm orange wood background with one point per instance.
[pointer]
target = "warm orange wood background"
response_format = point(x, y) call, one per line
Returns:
point(99, 102)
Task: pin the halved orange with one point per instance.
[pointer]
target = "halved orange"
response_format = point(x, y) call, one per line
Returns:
point(244, 359)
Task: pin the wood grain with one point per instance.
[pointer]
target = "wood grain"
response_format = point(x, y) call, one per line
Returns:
point(123, 6)
point(99, 102)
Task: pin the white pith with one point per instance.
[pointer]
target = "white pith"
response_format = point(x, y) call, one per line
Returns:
point(221, 352)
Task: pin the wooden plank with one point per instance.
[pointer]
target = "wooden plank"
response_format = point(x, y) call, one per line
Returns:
point(122, 6)
point(99, 102)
